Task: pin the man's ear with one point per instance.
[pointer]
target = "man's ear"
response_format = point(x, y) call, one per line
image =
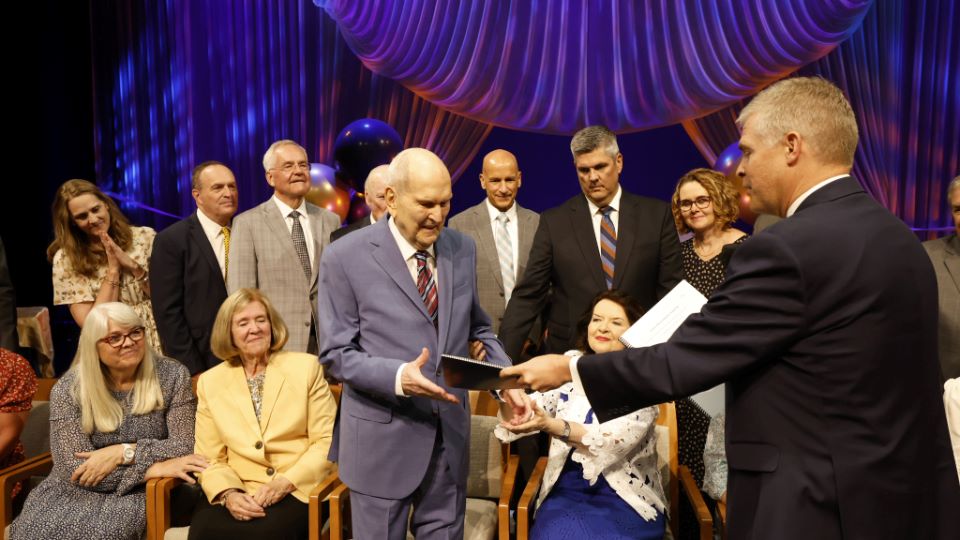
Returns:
point(793, 145)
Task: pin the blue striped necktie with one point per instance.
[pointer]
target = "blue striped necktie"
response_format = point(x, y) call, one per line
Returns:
point(608, 245)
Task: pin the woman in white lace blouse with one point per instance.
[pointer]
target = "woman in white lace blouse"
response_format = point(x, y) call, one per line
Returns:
point(601, 479)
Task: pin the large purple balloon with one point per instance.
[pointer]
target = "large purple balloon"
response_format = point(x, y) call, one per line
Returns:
point(361, 146)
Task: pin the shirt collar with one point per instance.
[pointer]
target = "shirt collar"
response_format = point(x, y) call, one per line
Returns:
point(406, 248)
point(803, 196)
point(614, 203)
point(494, 213)
point(210, 227)
point(285, 210)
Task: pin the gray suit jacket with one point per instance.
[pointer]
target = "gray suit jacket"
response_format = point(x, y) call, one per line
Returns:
point(945, 255)
point(372, 320)
point(262, 256)
point(475, 223)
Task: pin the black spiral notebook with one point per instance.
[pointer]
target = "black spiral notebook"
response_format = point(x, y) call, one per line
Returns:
point(460, 372)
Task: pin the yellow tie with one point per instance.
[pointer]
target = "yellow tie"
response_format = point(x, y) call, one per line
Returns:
point(226, 250)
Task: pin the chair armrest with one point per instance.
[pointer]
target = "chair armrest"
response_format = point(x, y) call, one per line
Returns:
point(339, 498)
point(528, 498)
point(158, 506)
point(35, 466)
point(317, 496)
point(692, 492)
point(506, 491)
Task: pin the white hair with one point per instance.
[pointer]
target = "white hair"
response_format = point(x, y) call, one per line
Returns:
point(270, 156)
point(99, 409)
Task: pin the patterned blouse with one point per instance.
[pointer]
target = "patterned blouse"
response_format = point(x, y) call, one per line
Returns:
point(72, 287)
point(17, 386)
point(255, 384)
point(705, 276)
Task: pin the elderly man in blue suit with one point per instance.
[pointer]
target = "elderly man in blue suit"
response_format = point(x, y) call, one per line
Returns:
point(393, 297)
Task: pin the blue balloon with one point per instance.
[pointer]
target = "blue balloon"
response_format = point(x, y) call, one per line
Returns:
point(728, 160)
point(320, 173)
point(361, 146)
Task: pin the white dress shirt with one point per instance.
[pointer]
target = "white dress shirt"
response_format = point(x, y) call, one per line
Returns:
point(803, 196)
point(214, 233)
point(408, 252)
point(596, 216)
point(304, 224)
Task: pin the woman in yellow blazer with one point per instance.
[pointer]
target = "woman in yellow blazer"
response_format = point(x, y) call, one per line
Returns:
point(264, 421)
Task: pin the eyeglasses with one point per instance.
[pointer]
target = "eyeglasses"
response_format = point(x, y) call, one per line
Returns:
point(116, 340)
point(290, 166)
point(701, 202)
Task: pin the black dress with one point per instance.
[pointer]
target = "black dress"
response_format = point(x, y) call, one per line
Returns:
point(692, 421)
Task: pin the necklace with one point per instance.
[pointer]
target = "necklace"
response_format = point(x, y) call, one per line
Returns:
point(706, 255)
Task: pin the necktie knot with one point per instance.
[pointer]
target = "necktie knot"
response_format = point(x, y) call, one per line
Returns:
point(503, 218)
point(294, 214)
point(606, 211)
point(422, 257)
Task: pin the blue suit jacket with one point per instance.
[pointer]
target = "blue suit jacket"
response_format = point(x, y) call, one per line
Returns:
point(372, 320)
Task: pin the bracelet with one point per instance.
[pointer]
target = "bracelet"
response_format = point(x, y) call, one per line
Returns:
point(142, 278)
point(223, 498)
point(565, 436)
point(112, 282)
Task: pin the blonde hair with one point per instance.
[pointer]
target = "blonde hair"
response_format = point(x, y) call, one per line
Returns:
point(99, 409)
point(723, 196)
point(221, 339)
point(76, 245)
point(811, 106)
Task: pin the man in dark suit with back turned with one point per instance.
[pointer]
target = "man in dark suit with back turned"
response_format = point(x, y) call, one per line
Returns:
point(825, 333)
point(604, 239)
point(189, 266)
point(374, 190)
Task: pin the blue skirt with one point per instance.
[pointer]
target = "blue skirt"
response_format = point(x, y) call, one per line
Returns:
point(575, 509)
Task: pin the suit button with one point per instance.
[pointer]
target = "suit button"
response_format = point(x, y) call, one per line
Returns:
point(501, 295)
point(270, 471)
point(307, 324)
point(259, 445)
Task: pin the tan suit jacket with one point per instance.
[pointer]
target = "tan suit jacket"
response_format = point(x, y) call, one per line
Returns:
point(945, 255)
point(262, 256)
point(475, 223)
point(292, 438)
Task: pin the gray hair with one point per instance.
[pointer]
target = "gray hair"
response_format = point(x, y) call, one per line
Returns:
point(99, 410)
point(953, 185)
point(811, 106)
point(270, 156)
point(591, 138)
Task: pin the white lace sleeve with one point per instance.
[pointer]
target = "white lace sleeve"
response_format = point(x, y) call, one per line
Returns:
point(715, 460)
point(546, 401)
point(610, 443)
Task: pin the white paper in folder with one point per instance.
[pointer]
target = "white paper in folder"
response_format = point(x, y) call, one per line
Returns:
point(663, 319)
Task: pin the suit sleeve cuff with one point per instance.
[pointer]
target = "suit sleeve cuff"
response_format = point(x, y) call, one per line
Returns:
point(398, 385)
point(575, 376)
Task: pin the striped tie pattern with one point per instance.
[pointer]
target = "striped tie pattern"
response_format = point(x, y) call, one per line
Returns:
point(505, 251)
point(226, 250)
point(608, 245)
point(300, 243)
point(426, 285)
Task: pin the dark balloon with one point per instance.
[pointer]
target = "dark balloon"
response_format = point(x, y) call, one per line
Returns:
point(727, 163)
point(361, 146)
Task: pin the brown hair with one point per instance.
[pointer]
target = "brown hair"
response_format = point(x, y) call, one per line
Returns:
point(723, 196)
point(221, 339)
point(631, 307)
point(76, 245)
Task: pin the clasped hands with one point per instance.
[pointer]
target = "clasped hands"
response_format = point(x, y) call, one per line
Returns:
point(244, 507)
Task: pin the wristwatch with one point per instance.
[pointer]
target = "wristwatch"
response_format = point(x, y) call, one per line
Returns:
point(565, 436)
point(128, 452)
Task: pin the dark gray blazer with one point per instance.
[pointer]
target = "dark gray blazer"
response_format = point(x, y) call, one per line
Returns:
point(945, 255)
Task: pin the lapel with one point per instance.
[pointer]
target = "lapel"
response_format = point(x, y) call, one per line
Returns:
point(199, 238)
point(525, 233)
point(315, 219)
point(627, 226)
point(240, 394)
point(387, 254)
point(485, 242)
point(444, 256)
point(582, 225)
point(272, 384)
point(277, 225)
point(951, 259)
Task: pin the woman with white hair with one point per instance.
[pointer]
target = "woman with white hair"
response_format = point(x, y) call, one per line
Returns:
point(119, 416)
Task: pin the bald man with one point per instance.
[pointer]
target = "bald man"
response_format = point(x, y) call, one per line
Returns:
point(502, 230)
point(374, 194)
point(394, 296)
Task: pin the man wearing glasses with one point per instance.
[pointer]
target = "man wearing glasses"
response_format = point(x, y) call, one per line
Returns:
point(276, 246)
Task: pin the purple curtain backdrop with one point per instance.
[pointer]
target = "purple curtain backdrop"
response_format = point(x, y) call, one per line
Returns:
point(554, 66)
point(900, 71)
point(178, 82)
